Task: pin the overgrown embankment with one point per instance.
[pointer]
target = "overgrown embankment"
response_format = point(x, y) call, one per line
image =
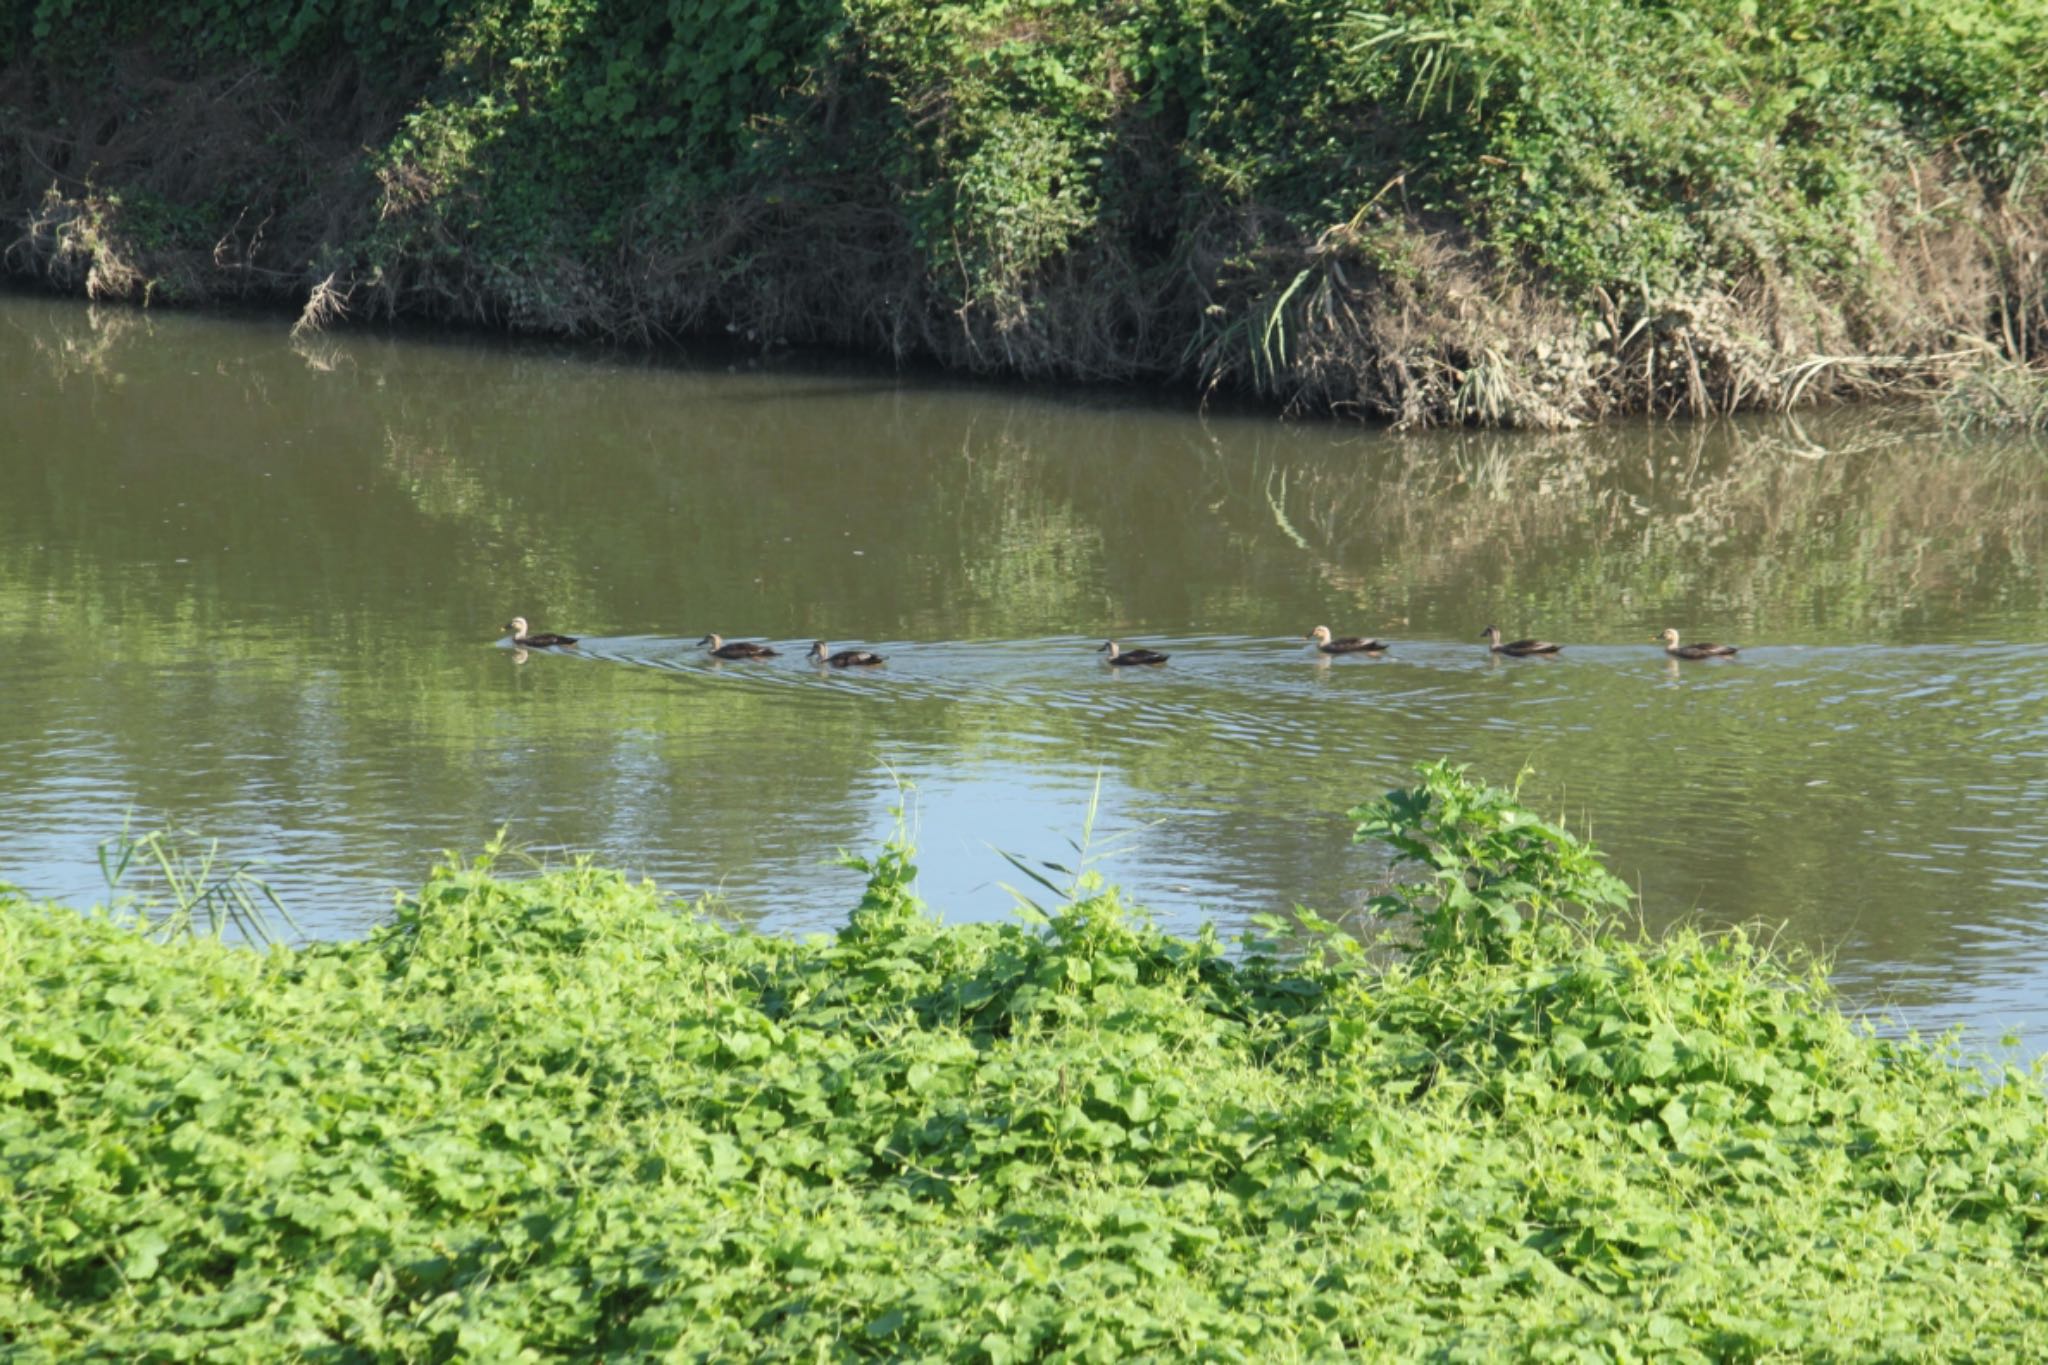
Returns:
point(560, 1117)
point(1468, 210)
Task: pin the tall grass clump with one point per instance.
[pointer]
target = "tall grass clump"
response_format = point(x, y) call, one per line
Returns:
point(174, 889)
point(1998, 396)
point(561, 1115)
point(1432, 210)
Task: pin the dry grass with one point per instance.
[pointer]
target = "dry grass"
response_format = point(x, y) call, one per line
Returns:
point(1390, 316)
point(2000, 395)
point(179, 147)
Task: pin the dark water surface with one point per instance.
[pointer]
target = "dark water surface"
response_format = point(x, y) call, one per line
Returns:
point(257, 590)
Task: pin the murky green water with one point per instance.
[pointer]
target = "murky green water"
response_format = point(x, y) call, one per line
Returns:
point(258, 591)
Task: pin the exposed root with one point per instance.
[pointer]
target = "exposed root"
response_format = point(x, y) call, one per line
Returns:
point(76, 244)
point(325, 305)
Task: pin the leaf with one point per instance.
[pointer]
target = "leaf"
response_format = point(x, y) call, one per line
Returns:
point(145, 1248)
point(1676, 1119)
point(1015, 861)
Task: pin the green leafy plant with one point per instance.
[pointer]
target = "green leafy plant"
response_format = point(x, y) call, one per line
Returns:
point(1305, 201)
point(1497, 872)
point(559, 1114)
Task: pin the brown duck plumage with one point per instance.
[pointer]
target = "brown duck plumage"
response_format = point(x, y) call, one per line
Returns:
point(517, 625)
point(1348, 644)
point(845, 658)
point(738, 649)
point(1519, 649)
point(1705, 649)
point(1125, 658)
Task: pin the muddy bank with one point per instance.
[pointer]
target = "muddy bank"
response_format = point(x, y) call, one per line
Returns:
point(1046, 200)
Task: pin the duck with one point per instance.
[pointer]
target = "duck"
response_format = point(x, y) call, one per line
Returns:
point(1705, 649)
point(1349, 644)
point(1123, 659)
point(845, 658)
point(544, 640)
point(738, 649)
point(1518, 649)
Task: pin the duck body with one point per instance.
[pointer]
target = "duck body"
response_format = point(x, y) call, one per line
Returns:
point(1517, 649)
point(1122, 658)
point(738, 649)
point(1704, 649)
point(845, 658)
point(543, 640)
point(1347, 644)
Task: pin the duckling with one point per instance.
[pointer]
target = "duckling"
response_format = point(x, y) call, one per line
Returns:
point(845, 658)
point(738, 649)
point(1350, 644)
point(1136, 656)
point(1705, 649)
point(517, 625)
point(1518, 649)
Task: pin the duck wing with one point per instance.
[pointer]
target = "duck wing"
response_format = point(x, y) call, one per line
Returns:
point(1352, 644)
point(853, 658)
point(545, 641)
point(1530, 647)
point(1706, 649)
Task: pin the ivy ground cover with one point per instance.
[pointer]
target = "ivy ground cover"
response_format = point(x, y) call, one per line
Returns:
point(562, 1116)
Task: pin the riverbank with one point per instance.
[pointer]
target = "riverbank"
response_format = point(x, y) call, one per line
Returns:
point(1471, 212)
point(557, 1114)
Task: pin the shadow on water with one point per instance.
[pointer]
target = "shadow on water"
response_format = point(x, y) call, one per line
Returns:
point(256, 589)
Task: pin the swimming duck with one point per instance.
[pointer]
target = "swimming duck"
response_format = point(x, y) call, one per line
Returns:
point(1705, 649)
point(1136, 656)
point(1350, 644)
point(1519, 649)
point(845, 658)
point(738, 649)
point(517, 625)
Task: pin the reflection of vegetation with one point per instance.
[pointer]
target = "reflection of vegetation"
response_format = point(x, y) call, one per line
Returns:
point(1044, 516)
point(354, 536)
point(556, 1116)
point(70, 352)
point(1025, 549)
point(1756, 522)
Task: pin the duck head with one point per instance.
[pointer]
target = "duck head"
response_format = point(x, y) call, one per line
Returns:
point(1670, 638)
point(818, 650)
point(1321, 635)
point(517, 625)
point(712, 641)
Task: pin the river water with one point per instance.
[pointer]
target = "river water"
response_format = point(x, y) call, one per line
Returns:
point(255, 588)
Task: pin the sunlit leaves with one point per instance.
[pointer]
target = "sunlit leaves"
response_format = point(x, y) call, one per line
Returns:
point(558, 1115)
point(1608, 144)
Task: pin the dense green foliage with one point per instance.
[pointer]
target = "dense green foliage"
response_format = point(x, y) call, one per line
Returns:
point(884, 170)
point(557, 1114)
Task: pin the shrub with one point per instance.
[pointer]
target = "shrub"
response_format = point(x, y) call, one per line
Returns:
point(560, 1115)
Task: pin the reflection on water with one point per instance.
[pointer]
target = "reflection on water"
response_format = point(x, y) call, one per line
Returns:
point(258, 591)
